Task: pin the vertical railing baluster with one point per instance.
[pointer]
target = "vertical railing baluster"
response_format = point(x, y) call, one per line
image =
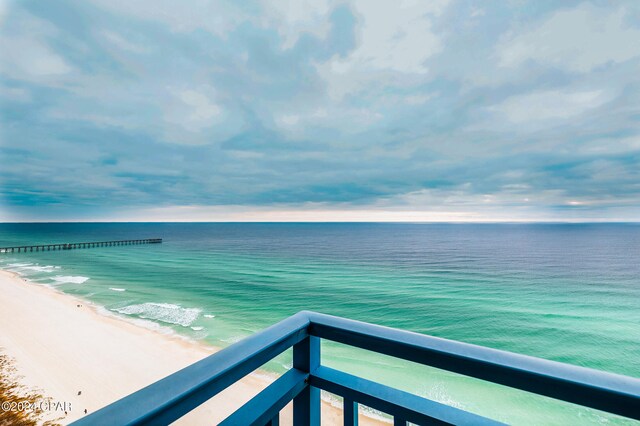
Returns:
point(275, 421)
point(397, 421)
point(350, 412)
point(306, 406)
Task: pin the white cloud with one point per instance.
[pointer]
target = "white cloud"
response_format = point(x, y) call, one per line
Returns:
point(417, 99)
point(288, 120)
point(578, 39)
point(476, 12)
point(97, 119)
point(612, 145)
point(30, 58)
point(26, 55)
point(345, 119)
point(3, 10)
point(292, 18)
point(121, 43)
point(308, 212)
point(550, 105)
point(216, 17)
point(191, 109)
point(15, 94)
point(193, 116)
point(393, 38)
point(202, 108)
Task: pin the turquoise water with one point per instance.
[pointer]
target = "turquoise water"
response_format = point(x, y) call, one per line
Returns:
point(569, 293)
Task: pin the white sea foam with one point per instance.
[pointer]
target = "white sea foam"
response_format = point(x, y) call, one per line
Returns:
point(165, 312)
point(197, 328)
point(19, 265)
point(150, 325)
point(67, 279)
point(267, 376)
point(438, 392)
point(367, 411)
point(37, 268)
point(117, 289)
point(209, 316)
point(233, 339)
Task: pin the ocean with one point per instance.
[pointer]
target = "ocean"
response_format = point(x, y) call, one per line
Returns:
point(564, 292)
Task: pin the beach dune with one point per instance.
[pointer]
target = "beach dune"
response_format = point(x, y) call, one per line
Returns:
point(78, 356)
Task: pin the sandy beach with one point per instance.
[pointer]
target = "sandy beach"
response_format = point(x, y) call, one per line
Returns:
point(79, 356)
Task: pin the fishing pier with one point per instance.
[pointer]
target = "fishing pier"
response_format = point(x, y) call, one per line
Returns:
point(72, 246)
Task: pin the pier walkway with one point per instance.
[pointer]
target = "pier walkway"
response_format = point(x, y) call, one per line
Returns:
point(71, 246)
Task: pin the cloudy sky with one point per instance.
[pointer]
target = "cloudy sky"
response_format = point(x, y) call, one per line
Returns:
point(319, 110)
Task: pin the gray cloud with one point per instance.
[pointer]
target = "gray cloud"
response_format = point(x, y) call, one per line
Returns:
point(497, 112)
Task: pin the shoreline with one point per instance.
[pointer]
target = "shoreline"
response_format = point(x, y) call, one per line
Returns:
point(60, 345)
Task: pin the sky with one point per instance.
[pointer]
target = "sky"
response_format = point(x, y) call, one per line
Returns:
point(442, 110)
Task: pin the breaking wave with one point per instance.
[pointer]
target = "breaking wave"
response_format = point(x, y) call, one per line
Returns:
point(33, 267)
point(164, 312)
point(67, 279)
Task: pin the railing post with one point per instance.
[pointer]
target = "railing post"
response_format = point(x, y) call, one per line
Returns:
point(350, 412)
point(274, 421)
point(306, 406)
point(399, 422)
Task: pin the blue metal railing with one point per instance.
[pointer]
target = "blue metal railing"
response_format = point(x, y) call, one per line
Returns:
point(174, 396)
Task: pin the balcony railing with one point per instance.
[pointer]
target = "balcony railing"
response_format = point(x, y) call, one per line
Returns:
point(172, 397)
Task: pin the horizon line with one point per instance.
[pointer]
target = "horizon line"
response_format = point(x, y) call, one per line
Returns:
point(456, 222)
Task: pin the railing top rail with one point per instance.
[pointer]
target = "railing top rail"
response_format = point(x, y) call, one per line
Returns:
point(175, 395)
point(592, 388)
